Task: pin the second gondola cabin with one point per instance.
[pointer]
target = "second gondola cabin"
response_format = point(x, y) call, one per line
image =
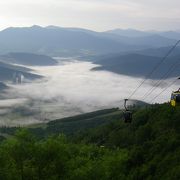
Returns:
point(127, 113)
point(127, 116)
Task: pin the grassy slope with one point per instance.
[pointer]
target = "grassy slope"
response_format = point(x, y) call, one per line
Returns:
point(71, 125)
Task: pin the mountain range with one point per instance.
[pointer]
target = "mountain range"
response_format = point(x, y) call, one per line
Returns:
point(11, 64)
point(28, 59)
point(138, 33)
point(129, 52)
point(8, 70)
point(57, 41)
point(138, 65)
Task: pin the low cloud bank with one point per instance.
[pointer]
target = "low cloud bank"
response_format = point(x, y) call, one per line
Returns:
point(73, 88)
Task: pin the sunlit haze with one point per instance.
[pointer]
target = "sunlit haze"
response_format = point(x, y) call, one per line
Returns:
point(92, 14)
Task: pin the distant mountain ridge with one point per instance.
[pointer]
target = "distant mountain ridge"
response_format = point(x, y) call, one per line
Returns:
point(160, 52)
point(137, 65)
point(7, 71)
point(138, 33)
point(28, 59)
point(58, 41)
point(55, 41)
point(129, 32)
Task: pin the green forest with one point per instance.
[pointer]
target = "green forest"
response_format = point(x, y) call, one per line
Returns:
point(97, 145)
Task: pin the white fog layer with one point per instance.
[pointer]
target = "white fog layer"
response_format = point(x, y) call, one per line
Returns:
point(70, 89)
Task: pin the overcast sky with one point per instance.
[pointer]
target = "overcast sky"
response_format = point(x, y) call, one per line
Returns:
point(92, 14)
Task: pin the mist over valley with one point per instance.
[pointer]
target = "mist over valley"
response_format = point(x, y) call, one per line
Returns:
point(68, 89)
point(54, 72)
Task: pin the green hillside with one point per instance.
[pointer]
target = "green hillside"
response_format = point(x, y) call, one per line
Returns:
point(70, 125)
point(148, 148)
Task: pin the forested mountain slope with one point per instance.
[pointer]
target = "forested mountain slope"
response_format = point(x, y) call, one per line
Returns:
point(148, 148)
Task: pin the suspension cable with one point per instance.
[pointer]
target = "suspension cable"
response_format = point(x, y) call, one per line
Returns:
point(155, 68)
point(159, 82)
point(165, 89)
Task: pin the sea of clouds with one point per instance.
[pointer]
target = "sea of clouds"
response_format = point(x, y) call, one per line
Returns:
point(72, 88)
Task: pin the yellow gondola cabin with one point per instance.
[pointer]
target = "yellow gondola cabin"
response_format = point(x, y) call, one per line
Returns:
point(175, 98)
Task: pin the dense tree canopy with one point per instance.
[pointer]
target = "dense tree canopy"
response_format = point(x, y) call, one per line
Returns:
point(149, 148)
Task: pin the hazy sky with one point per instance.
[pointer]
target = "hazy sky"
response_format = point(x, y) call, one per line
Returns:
point(92, 14)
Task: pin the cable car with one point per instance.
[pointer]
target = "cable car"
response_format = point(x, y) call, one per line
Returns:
point(127, 113)
point(175, 98)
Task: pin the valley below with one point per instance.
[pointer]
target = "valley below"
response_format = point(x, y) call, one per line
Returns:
point(70, 88)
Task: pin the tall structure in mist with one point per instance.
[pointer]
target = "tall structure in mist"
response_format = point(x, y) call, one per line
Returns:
point(18, 78)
